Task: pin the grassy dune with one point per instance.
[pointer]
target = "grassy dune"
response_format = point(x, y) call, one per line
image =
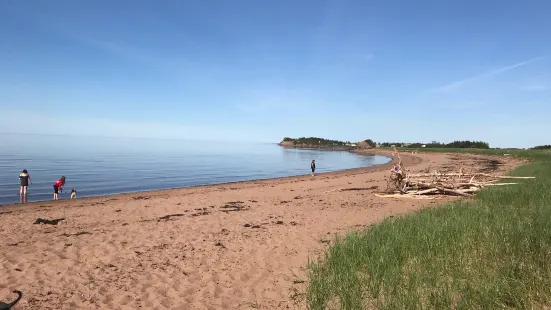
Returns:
point(492, 252)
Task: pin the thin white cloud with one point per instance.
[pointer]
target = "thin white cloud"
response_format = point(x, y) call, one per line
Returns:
point(460, 83)
point(277, 99)
point(149, 57)
point(274, 104)
point(536, 87)
point(465, 105)
point(135, 54)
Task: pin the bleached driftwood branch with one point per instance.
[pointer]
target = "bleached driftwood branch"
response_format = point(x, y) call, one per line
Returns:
point(404, 184)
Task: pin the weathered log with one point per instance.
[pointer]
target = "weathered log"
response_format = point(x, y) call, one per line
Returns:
point(406, 196)
point(427, 191)
point(467, 175)
point(453, 191)
point(437, 175)
point(505, 176)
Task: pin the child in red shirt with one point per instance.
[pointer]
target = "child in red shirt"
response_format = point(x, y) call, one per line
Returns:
point(58, 187)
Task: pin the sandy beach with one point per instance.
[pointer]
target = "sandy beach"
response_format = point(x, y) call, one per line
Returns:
point(231, 246)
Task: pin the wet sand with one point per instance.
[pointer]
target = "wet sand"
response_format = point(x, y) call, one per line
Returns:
point(231, 246)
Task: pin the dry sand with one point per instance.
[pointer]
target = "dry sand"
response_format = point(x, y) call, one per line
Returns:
point(231, 246)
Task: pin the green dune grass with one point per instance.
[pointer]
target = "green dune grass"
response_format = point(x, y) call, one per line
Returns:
point(490, 252)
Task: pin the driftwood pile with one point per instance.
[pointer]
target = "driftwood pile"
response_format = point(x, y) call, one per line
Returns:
point(404, 184)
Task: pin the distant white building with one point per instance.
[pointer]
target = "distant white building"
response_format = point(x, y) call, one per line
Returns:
point(424, 145)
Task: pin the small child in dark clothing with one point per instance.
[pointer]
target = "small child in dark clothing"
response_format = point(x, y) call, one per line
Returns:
point(313, 166)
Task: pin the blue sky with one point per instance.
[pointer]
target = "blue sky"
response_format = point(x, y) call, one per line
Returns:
point(249, 70)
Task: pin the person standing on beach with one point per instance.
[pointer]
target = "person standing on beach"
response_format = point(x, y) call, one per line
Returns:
point(58, 187)
point(313, 166)
point(24, 179)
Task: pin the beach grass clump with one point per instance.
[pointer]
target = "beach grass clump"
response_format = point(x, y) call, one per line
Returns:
point(489, 252)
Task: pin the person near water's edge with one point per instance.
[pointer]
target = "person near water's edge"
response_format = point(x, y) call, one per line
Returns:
point(25, 180)
point(58, 187)
point(313, 166)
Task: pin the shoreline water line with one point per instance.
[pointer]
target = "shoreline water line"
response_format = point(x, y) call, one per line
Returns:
point(357, 170)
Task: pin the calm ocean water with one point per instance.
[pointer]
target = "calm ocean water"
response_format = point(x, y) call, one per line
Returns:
point(100, 166)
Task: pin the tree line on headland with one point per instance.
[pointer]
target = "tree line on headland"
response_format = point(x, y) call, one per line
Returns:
point(542, 147)
point(321, 142)
point(368, 143)
point(466, 144)
point(313, 141)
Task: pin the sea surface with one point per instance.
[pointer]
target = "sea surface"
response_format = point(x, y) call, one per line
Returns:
point(101, 166)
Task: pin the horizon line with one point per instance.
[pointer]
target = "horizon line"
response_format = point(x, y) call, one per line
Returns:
point(122, 137)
